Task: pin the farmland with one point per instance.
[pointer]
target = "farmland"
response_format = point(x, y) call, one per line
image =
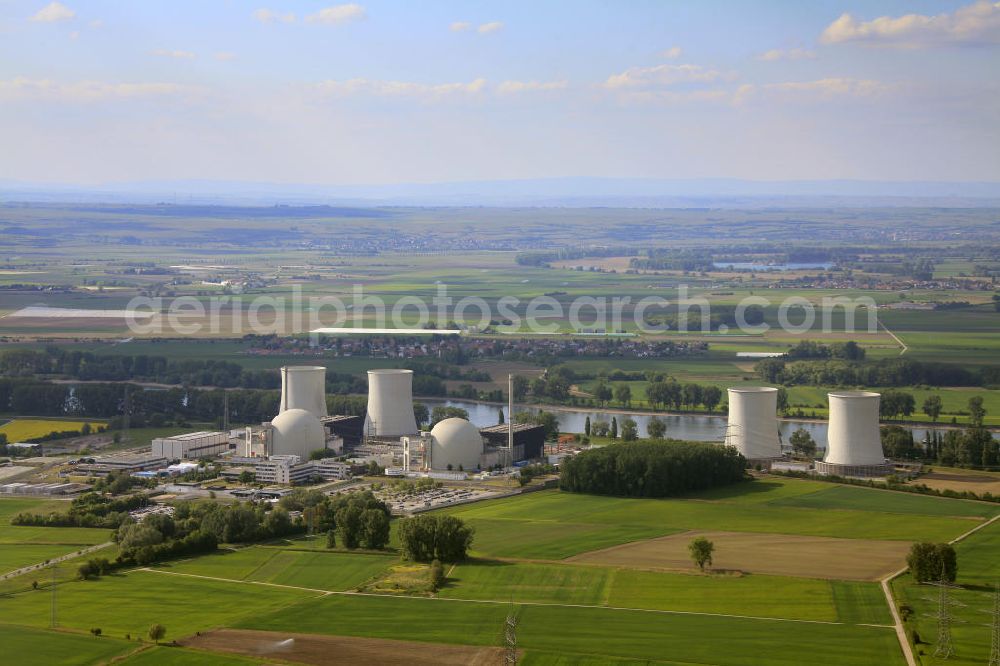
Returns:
point(572, 602)
point(20, 430)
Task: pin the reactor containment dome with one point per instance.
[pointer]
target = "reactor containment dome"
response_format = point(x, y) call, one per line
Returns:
point(303, 387)
point(390, 403)
point(854, 445)
point(753, 423)
point(296, 432)
point(455, 442)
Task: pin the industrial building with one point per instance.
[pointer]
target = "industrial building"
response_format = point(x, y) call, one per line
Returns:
point(192, 445)
point(752, 428)
point(854, 444)
point(350, 429)
point(126, 462)
point(390, 403)
point(529, 439)
point(289, 469)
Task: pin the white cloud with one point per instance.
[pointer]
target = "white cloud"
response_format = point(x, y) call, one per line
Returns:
point(790, 54)
point(178, 55)
point(831, 87)
point(978, 23)
point(662, 75)
point(224, 56)
point(337, 14)
point(672, 53)
point(268, 16)
point(398, 88)
point(492, 26)
point(96, 23)
point(530, 86)
point(53, 12)
point(84, 91)
point(460, 26)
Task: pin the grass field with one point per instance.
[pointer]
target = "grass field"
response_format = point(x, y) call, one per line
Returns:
point(593, 633)
point(27, 646)
point(20, 430)
point(173, 656)
point(556, 525)
point(978, 572)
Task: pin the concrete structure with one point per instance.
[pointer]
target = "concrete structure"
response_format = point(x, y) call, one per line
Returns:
point(291, 469)
point(854, 445)
point(390, 403)
point(191, 445)
point(125, 462)
point(753, 423)
point(527, 439)
point(296, 432)
point(455, 444)
point(303, 387)
point(349, 428)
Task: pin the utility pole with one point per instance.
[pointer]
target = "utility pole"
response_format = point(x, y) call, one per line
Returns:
point(126, 412)
point(225, 410)
point(54, 620)
point(510, 420)
point(510, 637)
point(944, 647)
point(995, 628)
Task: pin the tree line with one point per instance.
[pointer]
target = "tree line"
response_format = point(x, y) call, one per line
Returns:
point(882, 372)
point(663, 468)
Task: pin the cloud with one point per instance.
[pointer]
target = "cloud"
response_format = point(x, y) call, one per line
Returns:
point(831, 87)
point(53, 12)
point(224, 56)
point(96, 23)
point(662, 75)
point(398, 88)
point(268, 16)
point(84, 91)
point(338, 14)
point(492, 26)
point(509, 87)
point(460, 26)
point(790, 54)
point(672, 53)
point(978, 23)
point(178, 55)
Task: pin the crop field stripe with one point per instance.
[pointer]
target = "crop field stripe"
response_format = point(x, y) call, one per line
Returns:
point(520, 603)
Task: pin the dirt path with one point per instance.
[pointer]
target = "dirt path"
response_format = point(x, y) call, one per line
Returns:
point(55, 560)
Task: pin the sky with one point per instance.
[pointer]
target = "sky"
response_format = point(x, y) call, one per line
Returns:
point(373, 92)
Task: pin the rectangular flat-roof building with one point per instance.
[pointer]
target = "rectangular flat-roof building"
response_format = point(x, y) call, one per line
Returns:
point(529, 439)
point(191, 445)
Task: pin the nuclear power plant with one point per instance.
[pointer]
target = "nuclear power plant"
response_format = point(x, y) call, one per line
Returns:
point(854, 444)
point(303, 387)
point(390, 403)
point(753, 424)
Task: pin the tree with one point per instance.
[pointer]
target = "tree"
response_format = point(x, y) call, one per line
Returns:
point(437, 574)
point(500, 416)
point(427, 537)
point(420, 413)
point(374, 529)
point(602, 392)
point(331, 539)
point(931, 562)
point(96, 631)
point(247, 477)
point(932, 407)
point(782, 399)
point(614, 427)
point(157, 632)
point(586, 426)
point(976, 411)
point(600, 428)
point(623, 394)
point(442, 412)
point(630, 430)
point(520, 387)
point(547, 420)
point(701, 550)
point(711, 396)
point(656, 428)
point(803, 443)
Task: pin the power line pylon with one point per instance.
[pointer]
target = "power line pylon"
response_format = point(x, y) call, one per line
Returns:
point(995, 628)
point(510, 638)
point(944, 647)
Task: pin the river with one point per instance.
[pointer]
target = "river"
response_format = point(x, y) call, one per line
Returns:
point(695, 427)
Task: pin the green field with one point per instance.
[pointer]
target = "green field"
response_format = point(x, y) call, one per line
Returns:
point(26, 646)
point(593, 633)
point(871, 499)
point(172, 656)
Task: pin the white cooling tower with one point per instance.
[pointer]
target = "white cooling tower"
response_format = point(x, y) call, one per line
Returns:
point(390, 403)
point(753, 422)
point(853, 435)
point(304, 387)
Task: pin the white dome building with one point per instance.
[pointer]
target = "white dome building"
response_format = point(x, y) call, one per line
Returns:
point(296, 432)
point(455, 442)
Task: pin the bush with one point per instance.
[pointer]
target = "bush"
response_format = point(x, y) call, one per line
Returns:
point(652, 469)
point(429, 537)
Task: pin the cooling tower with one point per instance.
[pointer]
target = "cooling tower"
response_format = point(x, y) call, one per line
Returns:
point(753, 422)
point(853, 435)
point(390, 403)
point(303, 387)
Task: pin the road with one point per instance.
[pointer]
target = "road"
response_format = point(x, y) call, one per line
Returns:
point(54, 560)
